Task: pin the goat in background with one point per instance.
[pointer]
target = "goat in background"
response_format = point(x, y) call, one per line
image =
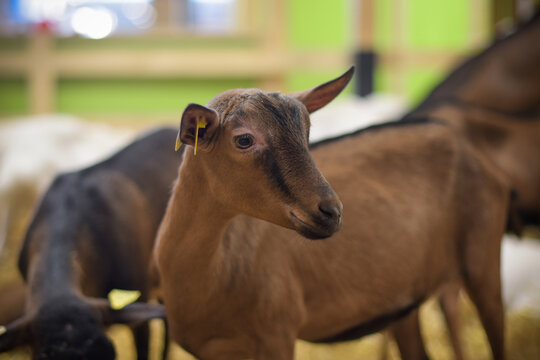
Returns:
point(93, 232)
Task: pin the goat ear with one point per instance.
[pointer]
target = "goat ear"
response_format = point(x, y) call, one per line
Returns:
point(15, 334)
point(134, 313)
point(319, 96)
point(197, 126)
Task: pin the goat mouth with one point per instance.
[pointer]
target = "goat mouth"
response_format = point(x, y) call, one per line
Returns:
point(310, 231)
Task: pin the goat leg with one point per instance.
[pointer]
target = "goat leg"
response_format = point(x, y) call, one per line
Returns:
point(407, 334)
point(448, 301)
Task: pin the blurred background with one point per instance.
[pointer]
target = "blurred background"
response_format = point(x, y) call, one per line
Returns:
point(80, 78)
point(144, 60)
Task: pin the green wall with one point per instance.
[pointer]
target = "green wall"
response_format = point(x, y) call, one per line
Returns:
point(429, 25)
point(96, 97)
point(319, 24)
point(437, 25)
point(323, 26)
point(13, 99)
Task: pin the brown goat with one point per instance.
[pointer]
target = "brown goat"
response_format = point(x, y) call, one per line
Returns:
point(505, 77)
point(493, 99)
point(512, 144)
point(421, 210)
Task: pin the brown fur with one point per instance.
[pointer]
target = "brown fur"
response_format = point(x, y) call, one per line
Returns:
point(494, 100)
point(12, 301)
point(512, 144)
point(422, 209)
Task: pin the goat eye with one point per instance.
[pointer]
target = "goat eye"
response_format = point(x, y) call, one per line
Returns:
point(243, 141)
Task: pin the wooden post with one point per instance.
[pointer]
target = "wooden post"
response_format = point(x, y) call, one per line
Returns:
point(503, 17)
point(273, 36)
point(41, 74)
point(365, 28)
point(245, 16)
point(164, 11)
point(479, 24)
point(400, 31)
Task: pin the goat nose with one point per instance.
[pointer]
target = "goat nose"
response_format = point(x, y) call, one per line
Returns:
point(331, 209)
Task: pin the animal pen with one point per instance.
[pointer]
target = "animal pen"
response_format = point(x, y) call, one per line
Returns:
point(71, 98)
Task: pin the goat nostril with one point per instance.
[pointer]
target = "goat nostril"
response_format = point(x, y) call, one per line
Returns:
point(331, 209)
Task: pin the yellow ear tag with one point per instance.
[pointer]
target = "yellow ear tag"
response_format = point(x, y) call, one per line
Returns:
point(121, 298)
point(201, 124)
point(3, 330)
point(178, 142)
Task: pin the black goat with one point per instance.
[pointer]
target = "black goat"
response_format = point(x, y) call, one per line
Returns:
point(93, 232)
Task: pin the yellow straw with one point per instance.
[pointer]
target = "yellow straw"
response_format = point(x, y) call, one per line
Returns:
point(178, 142)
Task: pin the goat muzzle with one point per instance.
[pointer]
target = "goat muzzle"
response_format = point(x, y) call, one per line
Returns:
point(322, 223)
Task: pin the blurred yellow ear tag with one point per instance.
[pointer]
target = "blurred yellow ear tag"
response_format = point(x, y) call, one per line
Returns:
point(3, 330)
point(201, 124)
point(178, 142)
point(121, 298)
